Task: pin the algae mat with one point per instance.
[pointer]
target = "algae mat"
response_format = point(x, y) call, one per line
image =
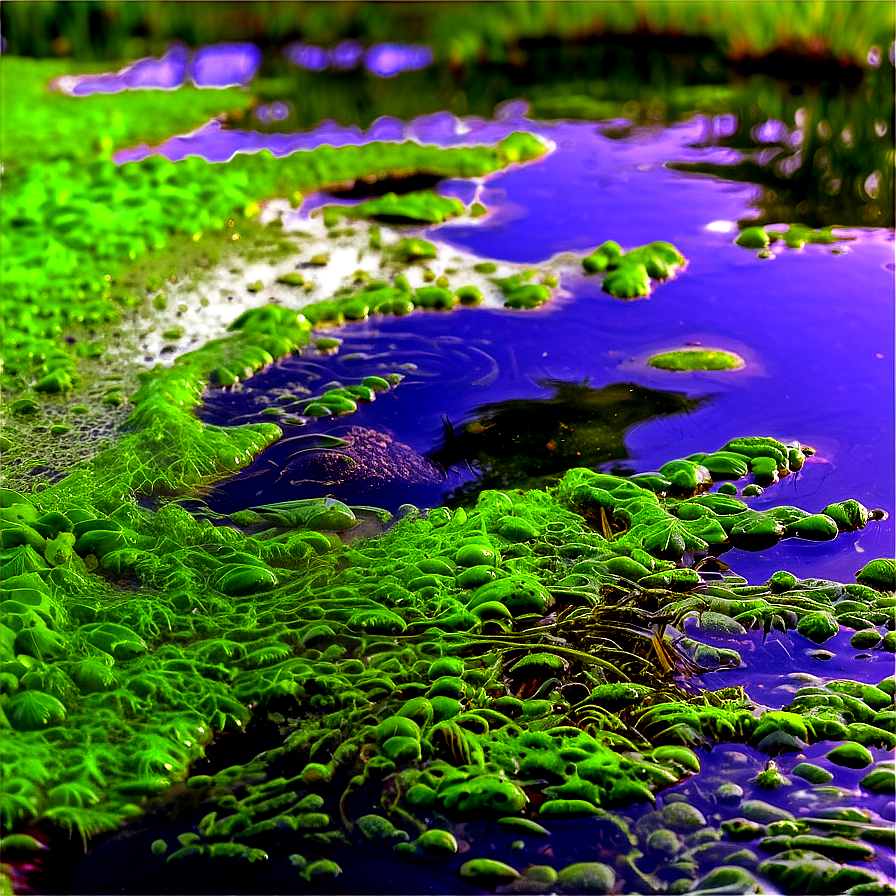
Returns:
point(552, 683)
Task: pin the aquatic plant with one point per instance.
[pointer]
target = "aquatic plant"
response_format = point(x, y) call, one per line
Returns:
point(628, 274)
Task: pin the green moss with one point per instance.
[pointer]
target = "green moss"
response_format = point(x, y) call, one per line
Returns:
point(63, 250)
point(697, 359)
point(422, 206)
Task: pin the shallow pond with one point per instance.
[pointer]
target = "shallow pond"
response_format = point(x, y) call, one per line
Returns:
point(485, 391)
point(814, 325)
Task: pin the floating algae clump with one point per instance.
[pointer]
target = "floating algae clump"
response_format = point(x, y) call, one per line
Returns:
point(794, 237)
point(697, 359)
point(629, 273)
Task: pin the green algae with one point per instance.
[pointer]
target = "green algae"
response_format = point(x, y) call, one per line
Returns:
point(794, 237)
point(421, 206)
point(696, 359)
point(628, 274)
point(270, 668)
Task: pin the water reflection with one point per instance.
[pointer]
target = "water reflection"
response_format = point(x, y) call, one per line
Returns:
point(820, 149)
point(822, 155)
point(385, 60)
point(818, 140)
point(232, 64)
point(517, 443)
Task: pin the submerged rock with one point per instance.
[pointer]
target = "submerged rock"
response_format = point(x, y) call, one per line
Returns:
point(370, 457)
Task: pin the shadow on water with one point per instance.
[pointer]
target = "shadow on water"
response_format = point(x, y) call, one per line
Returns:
point(519, 442)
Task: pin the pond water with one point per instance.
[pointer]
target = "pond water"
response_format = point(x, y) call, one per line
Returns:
point(493, 398)
point(814, 325)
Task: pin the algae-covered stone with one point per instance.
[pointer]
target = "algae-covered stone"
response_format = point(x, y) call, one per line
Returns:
point(672, 754)
point(520, 593)
point(523, 826)
point(697, 359)
point(683, 817)
point(628, 282)
point(476, 554)
point(771, 778)
point(587, 877)
point(840, 849)
point(790, 723)
point(527, 296)
point(866, 639)
point(603, 258)
point(818, 626)
point(805, 871)
point(745, 829)
point(881, 779)
point(376, 827)
point(664, 843)
point(487, 873)
point(396, 726)
point(321, 870)
point(567, 808)
point(414, 249)
point(729, 793)
point(437, 843)
point(879, 574)
point(719, 624)
point(727, 879)
point(763, 812)
point(444, 708)
point(484, 795)
point(753, 238)
point(516, 529)
point(418, 709)
point(848, 515)
point(402, 750)
point(850, 756)
point(420, 205)
point(812, 773)
point(816, 527)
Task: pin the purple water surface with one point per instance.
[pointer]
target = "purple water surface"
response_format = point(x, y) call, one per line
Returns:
point(217, 143)
point(816, 328)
